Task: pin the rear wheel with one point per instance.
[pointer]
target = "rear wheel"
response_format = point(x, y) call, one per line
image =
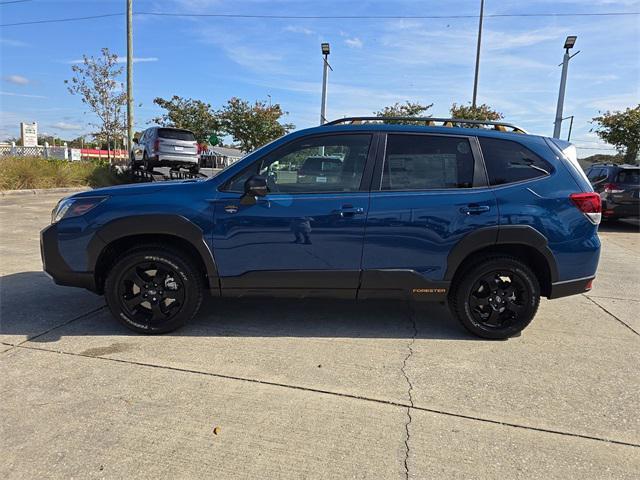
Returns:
point(148, 166)
point(495, 297)
point(154, 289)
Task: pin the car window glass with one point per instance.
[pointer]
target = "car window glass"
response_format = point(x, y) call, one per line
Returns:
point(598, 174)
point(629, 176)
point(173, 134)
point(424, 162)
point(509, 162)
point(328, 163)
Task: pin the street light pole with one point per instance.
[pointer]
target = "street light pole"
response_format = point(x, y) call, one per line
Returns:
point(568, 45)
point(475, 79)
point(325, 75)
point(129, 74)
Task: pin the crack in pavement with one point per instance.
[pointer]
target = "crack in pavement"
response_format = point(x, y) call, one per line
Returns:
point(410, 389)
point(337, 394)
point(607, 311)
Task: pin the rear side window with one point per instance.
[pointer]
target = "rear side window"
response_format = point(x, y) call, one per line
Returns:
point(173, 134)
point(509, 162)
point(631, 175)
point(426, 162)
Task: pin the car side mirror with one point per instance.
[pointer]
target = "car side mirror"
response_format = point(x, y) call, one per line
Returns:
point(254, 187)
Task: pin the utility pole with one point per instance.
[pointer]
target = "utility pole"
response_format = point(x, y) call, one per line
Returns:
point(325, 75)
point(568, 45)
point(129, 74)
point(475, 80)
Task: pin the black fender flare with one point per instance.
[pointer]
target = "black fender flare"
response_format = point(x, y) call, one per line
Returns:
point(160, 224)
point(500, 235)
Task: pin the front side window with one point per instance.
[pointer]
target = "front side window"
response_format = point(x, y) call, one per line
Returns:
point(509, 162)
point(426, 162)
point(328, 163)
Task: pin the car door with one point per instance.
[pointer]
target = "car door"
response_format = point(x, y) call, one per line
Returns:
point(306, 234)
point(431, 191)
point(138, 148)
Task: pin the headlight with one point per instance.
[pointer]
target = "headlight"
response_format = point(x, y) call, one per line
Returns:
point(74, 207)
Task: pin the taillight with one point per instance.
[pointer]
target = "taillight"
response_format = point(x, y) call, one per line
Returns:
point(612, 188)
point(156, 145)
point(589, 204)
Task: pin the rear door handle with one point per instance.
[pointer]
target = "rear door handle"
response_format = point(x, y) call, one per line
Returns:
point(475, 209)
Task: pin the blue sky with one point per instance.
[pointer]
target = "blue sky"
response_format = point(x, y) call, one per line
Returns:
point(376, 62)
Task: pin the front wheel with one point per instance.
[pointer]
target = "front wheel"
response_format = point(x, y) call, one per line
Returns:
point(495, 297)
point(153, 289)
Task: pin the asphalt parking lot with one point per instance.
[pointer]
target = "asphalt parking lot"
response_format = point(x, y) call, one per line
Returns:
point(313, 389)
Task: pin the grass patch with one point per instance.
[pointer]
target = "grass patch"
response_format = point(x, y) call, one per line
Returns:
point(17, 173)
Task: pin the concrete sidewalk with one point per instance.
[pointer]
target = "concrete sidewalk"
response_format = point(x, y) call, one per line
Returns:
point(312, 389)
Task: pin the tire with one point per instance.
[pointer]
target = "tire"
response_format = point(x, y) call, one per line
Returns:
point(148, 166)
point(495, 297)
point(158, 302)
point(133, 165)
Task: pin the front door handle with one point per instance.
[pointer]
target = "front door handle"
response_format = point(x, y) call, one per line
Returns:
point(473, 209)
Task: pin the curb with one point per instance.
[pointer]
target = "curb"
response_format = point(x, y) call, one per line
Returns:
point(39, 191)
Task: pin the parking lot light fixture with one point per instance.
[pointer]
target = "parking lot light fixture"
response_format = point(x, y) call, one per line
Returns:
point(568, 45)
point(325, 73)
point(570, 42)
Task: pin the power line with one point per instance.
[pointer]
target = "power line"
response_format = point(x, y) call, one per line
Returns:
point(319, 17)
point(13, 1)
point(382, 17)
point(72, 19)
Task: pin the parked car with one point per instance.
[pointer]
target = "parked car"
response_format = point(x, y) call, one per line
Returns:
point(485, 219)
point(619, 188)
point(320, 169)
point(165, 147)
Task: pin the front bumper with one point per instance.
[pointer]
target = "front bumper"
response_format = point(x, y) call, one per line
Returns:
point(53, 263)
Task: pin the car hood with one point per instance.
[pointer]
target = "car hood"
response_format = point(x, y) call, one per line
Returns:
point(136, 189)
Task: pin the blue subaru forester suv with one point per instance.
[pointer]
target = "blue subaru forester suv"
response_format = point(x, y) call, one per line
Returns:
point(478, 214)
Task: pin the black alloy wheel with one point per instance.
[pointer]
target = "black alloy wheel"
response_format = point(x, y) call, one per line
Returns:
point(496, 297)
point(151, 293)
point(154, 289)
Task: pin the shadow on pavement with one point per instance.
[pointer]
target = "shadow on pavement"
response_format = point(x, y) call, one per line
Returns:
point(31, 304)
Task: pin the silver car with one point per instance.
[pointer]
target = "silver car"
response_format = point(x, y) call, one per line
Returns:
point(165, 147)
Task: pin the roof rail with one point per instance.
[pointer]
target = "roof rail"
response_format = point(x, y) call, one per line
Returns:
point(430, 122)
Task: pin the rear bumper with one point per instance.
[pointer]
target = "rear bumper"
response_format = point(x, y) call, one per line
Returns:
point(618, 210)
point(173, 158)
point(570, 287)
point(53, 263)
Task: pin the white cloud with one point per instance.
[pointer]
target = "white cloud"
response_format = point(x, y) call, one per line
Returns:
point(25, 95)
point(12, 43)
point(354, 42)
point(17, 79)
point(298, 29)
point(123, 59)
point(66, 126)
point(137, 59)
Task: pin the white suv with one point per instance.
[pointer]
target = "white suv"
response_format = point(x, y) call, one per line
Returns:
point(165, 147)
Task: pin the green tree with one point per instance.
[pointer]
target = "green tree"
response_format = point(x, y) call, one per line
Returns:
point(194, 115)
point(621, 129)
point(252, 125)
point(96, 81)
point(407, 109)
point(479, 112)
